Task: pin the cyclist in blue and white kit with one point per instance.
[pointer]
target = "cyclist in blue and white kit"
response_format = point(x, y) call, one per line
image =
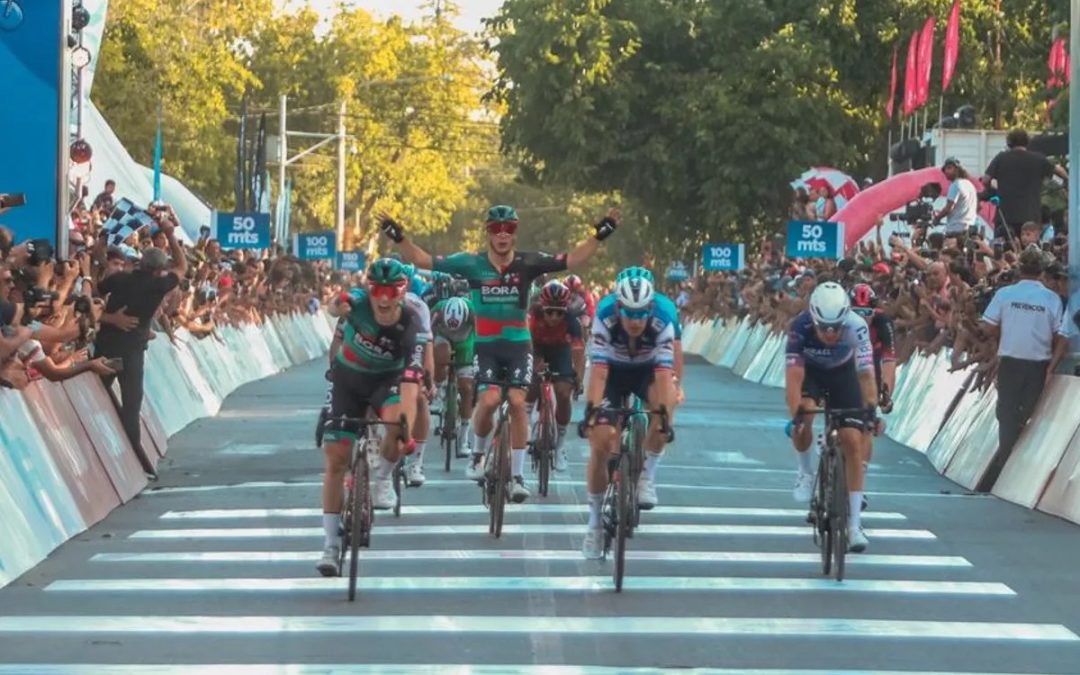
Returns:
point(666, 309)
point(633, 352)
point(830, 357)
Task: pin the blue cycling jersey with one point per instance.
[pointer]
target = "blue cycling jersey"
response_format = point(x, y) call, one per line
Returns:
point(666, 308)
point(612, 345)
point(804, 347)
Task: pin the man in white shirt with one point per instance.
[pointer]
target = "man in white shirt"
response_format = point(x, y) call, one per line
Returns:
point(962, 201)
point(1026, 318)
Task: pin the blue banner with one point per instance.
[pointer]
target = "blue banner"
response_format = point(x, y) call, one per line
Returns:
point(815, 239)
point(352, 261)
point(36, 76)
point(723, 257)
point(243, 230)
point(677, 271)
point(315, 245)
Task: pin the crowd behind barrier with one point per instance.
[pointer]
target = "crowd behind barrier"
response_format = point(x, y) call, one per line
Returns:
point(66, 461)
point(938, 411)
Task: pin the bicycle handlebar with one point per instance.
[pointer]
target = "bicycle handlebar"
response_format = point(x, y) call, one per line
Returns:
point(622, 413)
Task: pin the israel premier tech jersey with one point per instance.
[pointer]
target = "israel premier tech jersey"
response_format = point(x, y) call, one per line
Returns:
point(500, 296)
point(805, 348)
point(667, 309)
point(611, 345)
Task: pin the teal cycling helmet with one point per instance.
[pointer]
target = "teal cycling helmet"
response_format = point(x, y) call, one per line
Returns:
point(387, 272)
point(502, 214)
point(635, 273)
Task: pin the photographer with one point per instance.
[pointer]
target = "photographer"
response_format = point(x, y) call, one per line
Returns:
point(961, 206)
point(1017, 174)
point(135, 297)
point(1026, 318)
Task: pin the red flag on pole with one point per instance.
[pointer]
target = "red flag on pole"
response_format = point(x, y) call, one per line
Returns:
point(952, 47)
point(1056, 63)
point(910, 89)
point(892, 88)
point(926, 62)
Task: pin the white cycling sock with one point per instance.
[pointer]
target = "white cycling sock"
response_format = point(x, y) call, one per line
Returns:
point(652, 461)
point(480, 447)
point(418, 454)
point(804, 462)
point(530, 407)
point(517, 461)
point(331, 523)
point(560, 438)
point(386, 468)
point(596, 502)
point(855, 510)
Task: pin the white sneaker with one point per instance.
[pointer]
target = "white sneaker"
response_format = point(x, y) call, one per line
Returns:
point(593, 546)
point(474, 470)
point(328, 566)
point(857, 541)
point(518, 491)
point(383, 496)
point(804, 487)
point(646, 493)
point(414, 474)
point(560, 459)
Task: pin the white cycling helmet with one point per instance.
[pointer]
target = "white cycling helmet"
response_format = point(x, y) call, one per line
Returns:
point(456, 313)
point(634, 292)
point(829, 305)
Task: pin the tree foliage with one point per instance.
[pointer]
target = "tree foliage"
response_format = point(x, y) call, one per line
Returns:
point(701, 111)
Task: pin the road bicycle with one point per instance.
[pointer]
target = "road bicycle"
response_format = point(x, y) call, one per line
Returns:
point(542, 445)
point(496, 481)
point(620, 512)
point(357, 515)
point(829, 503)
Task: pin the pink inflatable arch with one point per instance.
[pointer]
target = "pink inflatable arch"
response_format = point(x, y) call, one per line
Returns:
point(861, 213)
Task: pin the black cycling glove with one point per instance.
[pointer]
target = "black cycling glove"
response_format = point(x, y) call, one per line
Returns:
point(605, 228)
point(391, 229)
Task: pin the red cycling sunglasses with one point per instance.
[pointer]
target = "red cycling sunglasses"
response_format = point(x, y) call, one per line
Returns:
point(386, 291)
point(502, 227)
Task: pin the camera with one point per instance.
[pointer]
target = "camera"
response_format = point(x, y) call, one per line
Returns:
point(41, 250)
point(82, 305)
point(914, 212)
point(36, 295)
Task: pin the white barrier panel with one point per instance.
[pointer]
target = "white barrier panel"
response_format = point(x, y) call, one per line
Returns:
point(731, 350)
point(750, 350)
point(689, 334)
point(978, 446)
point(1042, 444)
point(38, 505)
point(722, 335)
point(925, 416)
point(945, 445)
point(766, 354)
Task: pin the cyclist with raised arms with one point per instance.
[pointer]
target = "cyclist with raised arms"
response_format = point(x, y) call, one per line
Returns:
point(454, 322)
point(829, 357)
point(378, 368)
point(633, 352)
point(557, 341)
point(500, 278)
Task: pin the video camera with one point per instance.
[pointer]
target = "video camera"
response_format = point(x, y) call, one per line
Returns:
point(919, 210)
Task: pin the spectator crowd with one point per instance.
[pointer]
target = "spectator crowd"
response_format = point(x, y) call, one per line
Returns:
point(98, 309)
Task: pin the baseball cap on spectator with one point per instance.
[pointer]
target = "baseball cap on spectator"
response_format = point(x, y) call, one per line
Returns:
point(881, 267)
point(154, 260)
point(1056, 270)
point(225, 282)
point(1031, 261)
point(952, 161)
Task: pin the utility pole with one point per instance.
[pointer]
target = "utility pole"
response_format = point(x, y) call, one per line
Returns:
point(341, 177)
point(283, 162)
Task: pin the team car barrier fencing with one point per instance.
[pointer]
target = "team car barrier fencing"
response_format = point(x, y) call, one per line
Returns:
point(65, 462)
point(939, 412)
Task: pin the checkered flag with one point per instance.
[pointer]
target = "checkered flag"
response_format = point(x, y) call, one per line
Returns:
point(126, 219)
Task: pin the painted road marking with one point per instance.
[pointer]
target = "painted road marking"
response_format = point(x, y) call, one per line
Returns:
point(569, 554)
point(223, 514)
point(442, 530)
point(555, 583)
point(617, 625)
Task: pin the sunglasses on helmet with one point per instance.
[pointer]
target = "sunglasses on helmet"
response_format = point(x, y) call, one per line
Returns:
point(502, 227)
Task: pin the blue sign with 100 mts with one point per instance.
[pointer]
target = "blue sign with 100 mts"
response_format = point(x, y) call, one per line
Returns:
point(243, 230)
point(724, 257)
point(815, 239)
point(315, 245)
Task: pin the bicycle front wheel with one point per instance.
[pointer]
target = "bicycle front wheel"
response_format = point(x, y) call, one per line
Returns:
point(359, 529)
point(501, 475)
point(623, 519)
point(824, 506)
point(450, 421)
point(838, 512)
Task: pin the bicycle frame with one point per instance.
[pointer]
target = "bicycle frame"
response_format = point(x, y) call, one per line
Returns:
point(497, 458)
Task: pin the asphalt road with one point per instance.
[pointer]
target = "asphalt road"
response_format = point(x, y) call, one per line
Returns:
point(215, 567)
